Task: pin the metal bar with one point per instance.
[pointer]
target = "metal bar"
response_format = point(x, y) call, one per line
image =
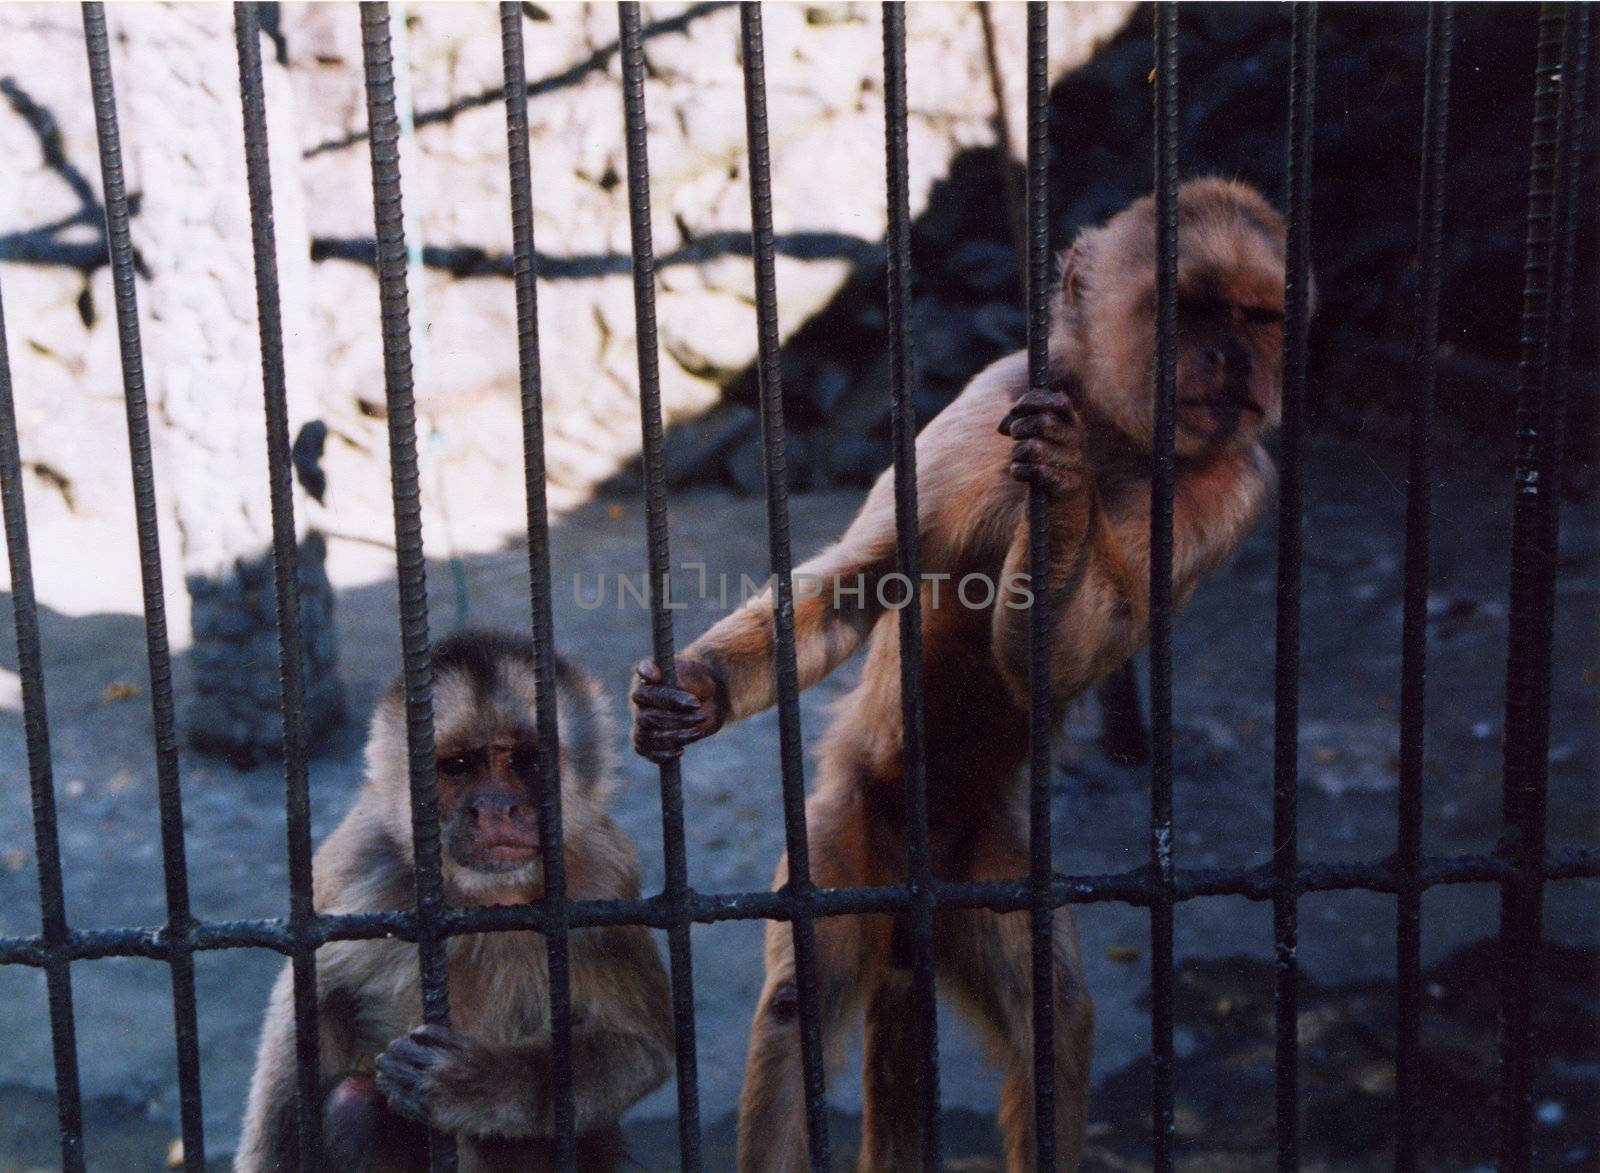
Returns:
point(1414, 631)
point(54, 934)
point(676, 892)
point(543, 624)
point(168, 792)
point(389, 230)
point(1541, 414)
point(1161, 487)
point(286, 583)
point(791, 750)
point(1136, 888)
point(903, 437)
point(1286, 695)
point(1041, 704)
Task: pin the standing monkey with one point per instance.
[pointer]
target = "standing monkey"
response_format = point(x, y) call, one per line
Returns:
point(487, 1077)
point(1085, 443)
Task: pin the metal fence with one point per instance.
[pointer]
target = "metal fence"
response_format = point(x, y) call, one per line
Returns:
point(1521, 866)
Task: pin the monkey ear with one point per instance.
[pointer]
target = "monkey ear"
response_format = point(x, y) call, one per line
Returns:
point(1072, 274)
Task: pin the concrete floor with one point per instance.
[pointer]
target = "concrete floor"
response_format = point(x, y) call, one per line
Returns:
point(1223, 652)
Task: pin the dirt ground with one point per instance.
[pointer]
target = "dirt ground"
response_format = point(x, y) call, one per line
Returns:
point(1223, 698)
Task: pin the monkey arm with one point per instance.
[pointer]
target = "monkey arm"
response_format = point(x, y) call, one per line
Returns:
point(1100, 568)
point(270, 1137)
point(1076, 590)
point(621, 1050)
point(840, 594)
point(344, 873)
point(622, 1042)
point(835, 605)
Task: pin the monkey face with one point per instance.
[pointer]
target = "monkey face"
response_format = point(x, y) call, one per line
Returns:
point(1230, 317)
point(488, 803)
point(1229, 365)
point(488, 776)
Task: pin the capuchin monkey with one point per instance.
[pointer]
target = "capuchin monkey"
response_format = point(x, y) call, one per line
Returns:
point(1084, 442)
point(486, 1078)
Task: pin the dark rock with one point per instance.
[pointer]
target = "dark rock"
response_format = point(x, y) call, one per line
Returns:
point(944, 340)
point(968, 304)
point(857, 460)
point(1224, 1009)
point(985, 267)
point(306, 453)
point(829, 386)
point(804, 463)
point(693, 450)
point(233, 710)
point(744, 467)
point(1002, 325)
point(967, 204)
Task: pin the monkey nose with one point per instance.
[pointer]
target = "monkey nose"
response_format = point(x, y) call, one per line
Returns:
point(494, 808)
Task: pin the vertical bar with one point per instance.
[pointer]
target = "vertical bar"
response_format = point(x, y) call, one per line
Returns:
point(168, 793)
point(389, 229)
point(1535, 524)
point(1041, 705)
point(1166, 397)
point(286, 584)
point(36, 728)
point(777, 494)
point(1286, 698)
point(1414, 631)
point(655, 508)
point(543, 629)
point(902, 375)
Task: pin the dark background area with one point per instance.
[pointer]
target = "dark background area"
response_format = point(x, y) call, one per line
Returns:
point(1233, 77)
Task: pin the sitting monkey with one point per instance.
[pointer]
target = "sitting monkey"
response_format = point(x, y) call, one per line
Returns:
point(487, 1077)
point(1085, 443)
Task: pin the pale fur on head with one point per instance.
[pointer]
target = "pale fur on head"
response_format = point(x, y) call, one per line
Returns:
point(1103, 318)
point(483, 687)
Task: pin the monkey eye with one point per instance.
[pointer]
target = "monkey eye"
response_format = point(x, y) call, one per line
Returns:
point(1260, 315)
point(455, 767)
point(525, 760)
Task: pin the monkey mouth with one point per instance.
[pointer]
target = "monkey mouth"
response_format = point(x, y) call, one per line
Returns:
point(506, 855)
point(1220, 404)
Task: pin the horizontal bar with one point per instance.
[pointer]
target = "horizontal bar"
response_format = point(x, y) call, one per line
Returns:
point(1137, 887)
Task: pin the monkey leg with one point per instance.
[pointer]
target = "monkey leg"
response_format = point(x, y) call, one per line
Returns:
point(1123, 736)
point(889, 1135)
point(360, 1134)
point(850, 952)
point(987, 960)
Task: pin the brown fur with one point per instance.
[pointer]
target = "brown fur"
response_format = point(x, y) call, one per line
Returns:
point(1086, 444)
point(487, 1079)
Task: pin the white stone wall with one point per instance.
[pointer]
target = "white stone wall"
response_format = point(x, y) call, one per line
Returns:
point(178, 98)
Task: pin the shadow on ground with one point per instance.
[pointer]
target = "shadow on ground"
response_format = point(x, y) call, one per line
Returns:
point(1223, 1075)
point(1223, 753)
